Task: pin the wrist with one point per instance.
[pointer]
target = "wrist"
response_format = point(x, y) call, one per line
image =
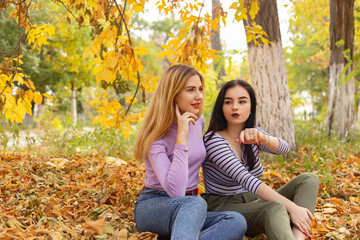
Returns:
point(182, 147)
point(181, 140)
point(265, 139)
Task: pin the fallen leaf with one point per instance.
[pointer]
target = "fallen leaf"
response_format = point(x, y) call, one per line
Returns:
point(97, 226)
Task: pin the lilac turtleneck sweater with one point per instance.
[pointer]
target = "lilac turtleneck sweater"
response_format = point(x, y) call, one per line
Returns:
point(172, 169)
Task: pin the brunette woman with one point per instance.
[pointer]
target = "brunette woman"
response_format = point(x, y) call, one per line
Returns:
point(232, 170)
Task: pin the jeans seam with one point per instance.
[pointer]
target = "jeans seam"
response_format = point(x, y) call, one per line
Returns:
point(155, 205)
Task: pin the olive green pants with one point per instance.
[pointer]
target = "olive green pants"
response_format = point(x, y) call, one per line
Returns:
point(270, 218)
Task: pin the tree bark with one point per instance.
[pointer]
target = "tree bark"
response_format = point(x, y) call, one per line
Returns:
point(73, 104)
point(341, 116)
point(268, 76)
point(216, 45)
point(358, 107)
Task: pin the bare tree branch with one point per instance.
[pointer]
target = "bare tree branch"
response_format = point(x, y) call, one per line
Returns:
point(132, 51)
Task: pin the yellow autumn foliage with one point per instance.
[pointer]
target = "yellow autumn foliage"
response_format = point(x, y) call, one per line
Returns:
point(113, 51)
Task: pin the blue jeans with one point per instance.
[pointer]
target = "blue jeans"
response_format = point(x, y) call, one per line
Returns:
point(185, 218)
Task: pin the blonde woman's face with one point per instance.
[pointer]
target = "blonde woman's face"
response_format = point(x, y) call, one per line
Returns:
point(189, 99)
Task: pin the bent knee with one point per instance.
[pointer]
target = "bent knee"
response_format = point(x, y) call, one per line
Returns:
point(238, 217)
point(310, 177)
point(236, 223)
point(240, 222)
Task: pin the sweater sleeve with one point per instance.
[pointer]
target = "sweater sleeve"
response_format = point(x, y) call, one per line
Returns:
point(282, 149)
point(220, 153)
point(172, 175)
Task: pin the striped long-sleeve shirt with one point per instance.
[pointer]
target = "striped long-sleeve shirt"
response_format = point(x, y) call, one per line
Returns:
point(225, 174)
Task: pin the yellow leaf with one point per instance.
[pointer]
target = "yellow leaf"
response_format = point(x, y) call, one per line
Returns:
point(107, 76)
point(96, 69)
point(3, 79)
point(126, 130)
point(233, 5)
point(38, 98)
point(141, 50)
point(94, 102)
point(47, 95)
point(29, 84)
point(163, 54)
point(27, 106)
point(128, 100)
point(29, 94)
point(19, 79)
point(87, 52)
point(166, 47)
point(254, 9)
point(7, 113)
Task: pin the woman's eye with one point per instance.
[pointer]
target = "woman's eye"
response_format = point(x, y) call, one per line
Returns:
point(227, 102)
point(241, 102)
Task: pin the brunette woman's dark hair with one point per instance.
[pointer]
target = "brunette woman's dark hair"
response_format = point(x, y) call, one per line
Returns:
point(218, 121)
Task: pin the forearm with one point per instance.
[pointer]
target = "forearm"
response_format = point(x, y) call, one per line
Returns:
point(270, 142)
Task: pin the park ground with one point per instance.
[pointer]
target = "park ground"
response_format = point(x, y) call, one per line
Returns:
point(91, 196)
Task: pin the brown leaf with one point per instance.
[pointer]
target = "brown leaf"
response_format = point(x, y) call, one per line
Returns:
point(97, 226)
point(147, 236)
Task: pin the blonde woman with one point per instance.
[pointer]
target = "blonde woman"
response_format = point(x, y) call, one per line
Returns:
point(170, 142)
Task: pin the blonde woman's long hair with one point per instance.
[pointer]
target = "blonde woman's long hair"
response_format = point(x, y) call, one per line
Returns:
point(161, 111)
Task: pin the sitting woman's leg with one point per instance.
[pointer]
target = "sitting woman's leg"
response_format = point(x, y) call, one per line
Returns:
point(170, 218)
point(223, 225)
point(302, 190)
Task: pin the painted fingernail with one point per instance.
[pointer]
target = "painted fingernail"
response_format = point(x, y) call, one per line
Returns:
point(242, 142)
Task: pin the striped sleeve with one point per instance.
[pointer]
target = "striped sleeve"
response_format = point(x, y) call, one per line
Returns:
point(282, 149)
point(220, 153)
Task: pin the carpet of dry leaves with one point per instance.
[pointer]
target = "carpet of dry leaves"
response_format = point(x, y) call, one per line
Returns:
point(92, 197)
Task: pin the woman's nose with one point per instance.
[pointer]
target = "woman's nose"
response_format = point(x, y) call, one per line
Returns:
point(199, 95)
point(235, 106)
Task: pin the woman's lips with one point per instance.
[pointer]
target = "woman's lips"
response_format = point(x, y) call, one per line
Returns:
point(235, 115)
point(196, 105)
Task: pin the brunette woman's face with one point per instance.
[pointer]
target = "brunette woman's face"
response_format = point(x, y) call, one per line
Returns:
point(237, 105)
point(190, 97)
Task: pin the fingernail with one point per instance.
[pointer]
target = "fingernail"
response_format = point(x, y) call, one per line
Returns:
point(305, 234)
point(242, 142)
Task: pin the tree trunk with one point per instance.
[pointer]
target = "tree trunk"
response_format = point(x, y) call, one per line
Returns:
point(73, 104)
point(216, 45)
point(41, 108)
point(269, 78)
point(358, 107)
point(341, 114)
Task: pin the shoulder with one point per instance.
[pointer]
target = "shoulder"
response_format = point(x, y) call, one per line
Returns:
point(211, 137)
point(158, 145)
